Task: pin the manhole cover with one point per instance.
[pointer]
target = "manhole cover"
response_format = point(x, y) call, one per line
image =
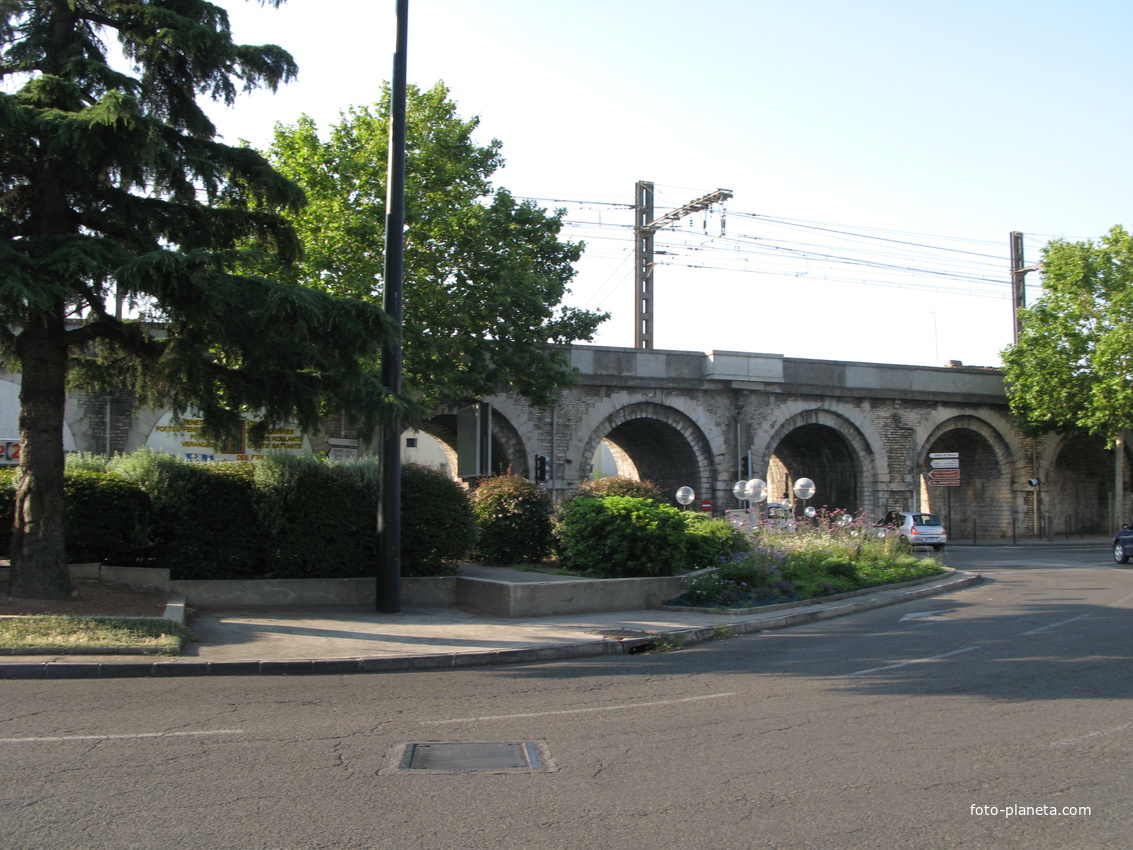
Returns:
point(485, 757)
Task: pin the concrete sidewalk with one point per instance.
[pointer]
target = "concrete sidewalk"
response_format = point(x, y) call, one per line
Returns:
point(349, 639)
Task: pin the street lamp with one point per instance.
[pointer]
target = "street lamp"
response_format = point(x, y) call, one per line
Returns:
point(803, 490)
point(685, 495)
point(755, 491)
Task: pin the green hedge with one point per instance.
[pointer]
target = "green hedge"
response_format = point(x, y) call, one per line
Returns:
point(203, 521)
point(317, 520)
point(107, 519)
point(437, 523)
point(283, 517)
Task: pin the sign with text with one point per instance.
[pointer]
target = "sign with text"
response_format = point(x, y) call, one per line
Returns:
point(9, 452)
point(184, 439)
point(945, 470)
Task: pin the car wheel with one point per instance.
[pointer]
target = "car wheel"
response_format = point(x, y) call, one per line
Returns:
point(1119, 554)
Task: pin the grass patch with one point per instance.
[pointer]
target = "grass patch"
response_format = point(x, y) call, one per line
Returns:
point(53, 633)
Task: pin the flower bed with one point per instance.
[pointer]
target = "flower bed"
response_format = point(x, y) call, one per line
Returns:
point(806, 564)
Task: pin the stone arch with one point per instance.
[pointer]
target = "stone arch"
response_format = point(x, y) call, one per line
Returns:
point(828, 448)
point(508, 449)
point(979, 504)
point(1078, 485)
point(655, 442)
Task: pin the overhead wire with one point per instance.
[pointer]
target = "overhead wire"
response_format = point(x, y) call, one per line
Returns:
point(888, 258)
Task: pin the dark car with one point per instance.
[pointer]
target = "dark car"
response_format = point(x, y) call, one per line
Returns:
point(1123, 545)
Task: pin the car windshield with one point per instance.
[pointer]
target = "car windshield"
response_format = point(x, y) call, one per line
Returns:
point(926, 519)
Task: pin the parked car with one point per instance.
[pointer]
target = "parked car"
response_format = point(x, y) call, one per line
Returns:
point(919, 529)
point(779, 516)
point(1123, 544)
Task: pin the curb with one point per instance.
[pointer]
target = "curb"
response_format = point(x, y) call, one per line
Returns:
point(959, 581)
point(460, 660)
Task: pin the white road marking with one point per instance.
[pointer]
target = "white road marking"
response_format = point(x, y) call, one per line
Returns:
point(906, 663)
point(926, 615)
point(55, 739)
point(1087, 737)
point(1055, 625)
point(626, 707)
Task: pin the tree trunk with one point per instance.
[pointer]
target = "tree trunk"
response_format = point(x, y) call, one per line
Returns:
point(38, 554)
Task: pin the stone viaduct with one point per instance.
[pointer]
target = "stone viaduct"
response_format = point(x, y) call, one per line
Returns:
point(864, 432)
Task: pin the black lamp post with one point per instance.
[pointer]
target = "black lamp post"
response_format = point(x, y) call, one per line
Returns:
point(389, 509)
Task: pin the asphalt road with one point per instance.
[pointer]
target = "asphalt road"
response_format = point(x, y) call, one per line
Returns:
point(995, 717)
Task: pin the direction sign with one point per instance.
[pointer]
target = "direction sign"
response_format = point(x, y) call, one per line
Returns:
point(944, 454)
point(947, 483)
point(945, 463)
point(940, 474)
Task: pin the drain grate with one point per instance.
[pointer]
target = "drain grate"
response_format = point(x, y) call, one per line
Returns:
point(483, 757)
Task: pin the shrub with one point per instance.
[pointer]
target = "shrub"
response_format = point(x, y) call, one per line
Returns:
point(513, 518)
point(108, 520)
point(86, 460)
point(318, 519)
point(437, 523)
point(204, 516)
point(733, 582)
point(7, 505)
point(711, 541)
point(623, 536)
point(840, 567)
point(617, 485)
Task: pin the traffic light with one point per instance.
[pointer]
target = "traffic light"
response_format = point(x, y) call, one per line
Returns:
point(540, 468)
point(745, 467)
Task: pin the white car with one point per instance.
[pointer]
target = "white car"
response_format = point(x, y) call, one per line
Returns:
point(917, 529)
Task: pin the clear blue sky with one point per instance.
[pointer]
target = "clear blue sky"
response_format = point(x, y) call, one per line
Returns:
point(935, 123)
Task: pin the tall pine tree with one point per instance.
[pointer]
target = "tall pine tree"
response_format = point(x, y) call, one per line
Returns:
point(114, 189)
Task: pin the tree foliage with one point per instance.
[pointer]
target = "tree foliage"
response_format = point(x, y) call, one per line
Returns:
point(480, 267)
point(1072, 367)
point(114, 189)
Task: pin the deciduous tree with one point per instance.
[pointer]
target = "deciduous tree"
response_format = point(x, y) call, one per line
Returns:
point(1072, 367)
point(485, 275)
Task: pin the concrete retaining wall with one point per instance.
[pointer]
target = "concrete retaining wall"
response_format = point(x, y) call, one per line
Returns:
point(147, 578)
point(312, 591)
point(544, 599)
point(487, 596)
point(493, 598)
